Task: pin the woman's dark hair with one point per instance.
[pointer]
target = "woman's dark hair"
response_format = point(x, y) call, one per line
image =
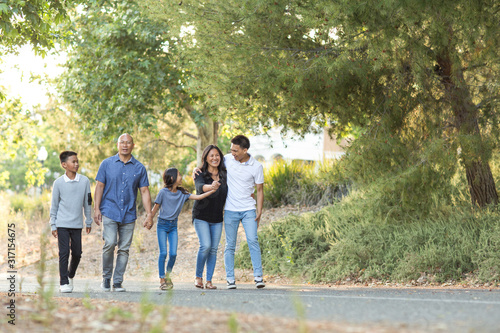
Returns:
point(204, 167)
point(169, 179)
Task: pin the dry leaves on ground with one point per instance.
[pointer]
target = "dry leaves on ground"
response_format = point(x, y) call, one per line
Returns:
point(97, 315)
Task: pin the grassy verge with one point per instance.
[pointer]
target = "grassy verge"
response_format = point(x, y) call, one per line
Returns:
point(346, 242)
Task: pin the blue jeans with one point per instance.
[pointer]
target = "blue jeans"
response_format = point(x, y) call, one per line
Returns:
point(209, 237)
point(231, 223)
point(115, 233)
point(166, 230)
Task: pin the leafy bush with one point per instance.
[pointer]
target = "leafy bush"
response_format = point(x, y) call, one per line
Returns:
point(348, 241)
point(303, 183)
point(282, 180)
point(37, 207)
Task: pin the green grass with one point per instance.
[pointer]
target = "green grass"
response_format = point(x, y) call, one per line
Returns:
point(34, 207)
point(347, 241)
point(301, 183)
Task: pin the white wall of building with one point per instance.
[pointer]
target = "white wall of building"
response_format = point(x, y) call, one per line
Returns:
point(290, 147)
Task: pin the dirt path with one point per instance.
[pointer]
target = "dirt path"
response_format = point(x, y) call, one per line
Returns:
point(144, 251)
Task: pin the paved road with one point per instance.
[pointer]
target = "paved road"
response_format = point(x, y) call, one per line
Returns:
point(449, 310)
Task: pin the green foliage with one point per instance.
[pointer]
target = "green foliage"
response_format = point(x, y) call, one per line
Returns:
point(407, 181)
point(115, 312)
point(348, 241)
point(19, 167)
point(337, 62)
point(413, 77)
point(120, 75)
point(232, 323)
point(46, 306)
point(281, 181)
point(34, 22)
point(486, 254)
point(33, 208)
point(19, 132)
point(302, 183)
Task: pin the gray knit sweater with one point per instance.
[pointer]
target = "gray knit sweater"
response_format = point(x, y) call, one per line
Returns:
point(69, 201)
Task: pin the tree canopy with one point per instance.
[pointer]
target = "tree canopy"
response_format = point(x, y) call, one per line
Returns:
point(32, 22)
point(18, 130)
point(35, 23)
point(121, 74)
point(417, 77)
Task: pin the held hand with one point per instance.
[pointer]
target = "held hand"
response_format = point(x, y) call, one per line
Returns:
point(88, 229)
point(54, 233)
point(97, 216)
point(148, 222)
point(150, 225)
point(215, 185)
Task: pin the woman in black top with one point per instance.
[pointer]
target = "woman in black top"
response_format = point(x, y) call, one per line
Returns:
point(208, 213)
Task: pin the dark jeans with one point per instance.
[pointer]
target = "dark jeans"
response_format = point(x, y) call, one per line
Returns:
point(69, 239)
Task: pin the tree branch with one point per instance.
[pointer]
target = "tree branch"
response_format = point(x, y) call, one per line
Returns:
point(171, 143)
point(190, 135)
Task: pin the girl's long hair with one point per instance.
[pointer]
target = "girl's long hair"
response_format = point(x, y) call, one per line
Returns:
point(221, 168)
point(169, 179)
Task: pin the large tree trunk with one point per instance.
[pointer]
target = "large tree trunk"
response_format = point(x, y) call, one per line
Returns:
point(208, 129)
point(207, 135)
point(479, 177)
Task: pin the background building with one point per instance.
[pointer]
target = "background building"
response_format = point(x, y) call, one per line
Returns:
point(313, 147)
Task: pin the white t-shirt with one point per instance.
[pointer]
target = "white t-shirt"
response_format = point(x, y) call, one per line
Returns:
point(241, 180)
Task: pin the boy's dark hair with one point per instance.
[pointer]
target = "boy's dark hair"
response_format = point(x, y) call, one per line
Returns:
point(241, 141)
point(63, 157)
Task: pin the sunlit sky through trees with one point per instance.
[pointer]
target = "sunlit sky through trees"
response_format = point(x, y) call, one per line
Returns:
point(24, 75)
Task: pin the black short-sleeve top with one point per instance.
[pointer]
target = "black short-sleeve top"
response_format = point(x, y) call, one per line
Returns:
point(211, 208)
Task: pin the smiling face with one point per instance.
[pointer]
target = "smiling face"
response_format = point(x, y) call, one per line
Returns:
point(213, 158)
point(125, 145)
point(238, 153)
point(178, 182)
point(71, 164)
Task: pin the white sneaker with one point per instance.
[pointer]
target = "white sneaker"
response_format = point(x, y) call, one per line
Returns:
point(259, 282)
point(65, 288)
point(71, 282)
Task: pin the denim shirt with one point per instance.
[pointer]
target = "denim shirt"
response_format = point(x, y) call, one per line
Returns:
point(121, 182)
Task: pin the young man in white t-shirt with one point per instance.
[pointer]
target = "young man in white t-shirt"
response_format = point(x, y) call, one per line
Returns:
point(244, 173)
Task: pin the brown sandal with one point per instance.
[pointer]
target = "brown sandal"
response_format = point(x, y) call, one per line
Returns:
point(163, 286)
point(209, 285)
point(198, 283)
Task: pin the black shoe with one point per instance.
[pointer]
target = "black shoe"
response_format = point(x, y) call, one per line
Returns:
point(231, 285)
point(259, 284)
point(118, 287)
point(106, 285)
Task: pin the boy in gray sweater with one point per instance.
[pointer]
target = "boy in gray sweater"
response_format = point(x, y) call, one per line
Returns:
point(70, 198)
